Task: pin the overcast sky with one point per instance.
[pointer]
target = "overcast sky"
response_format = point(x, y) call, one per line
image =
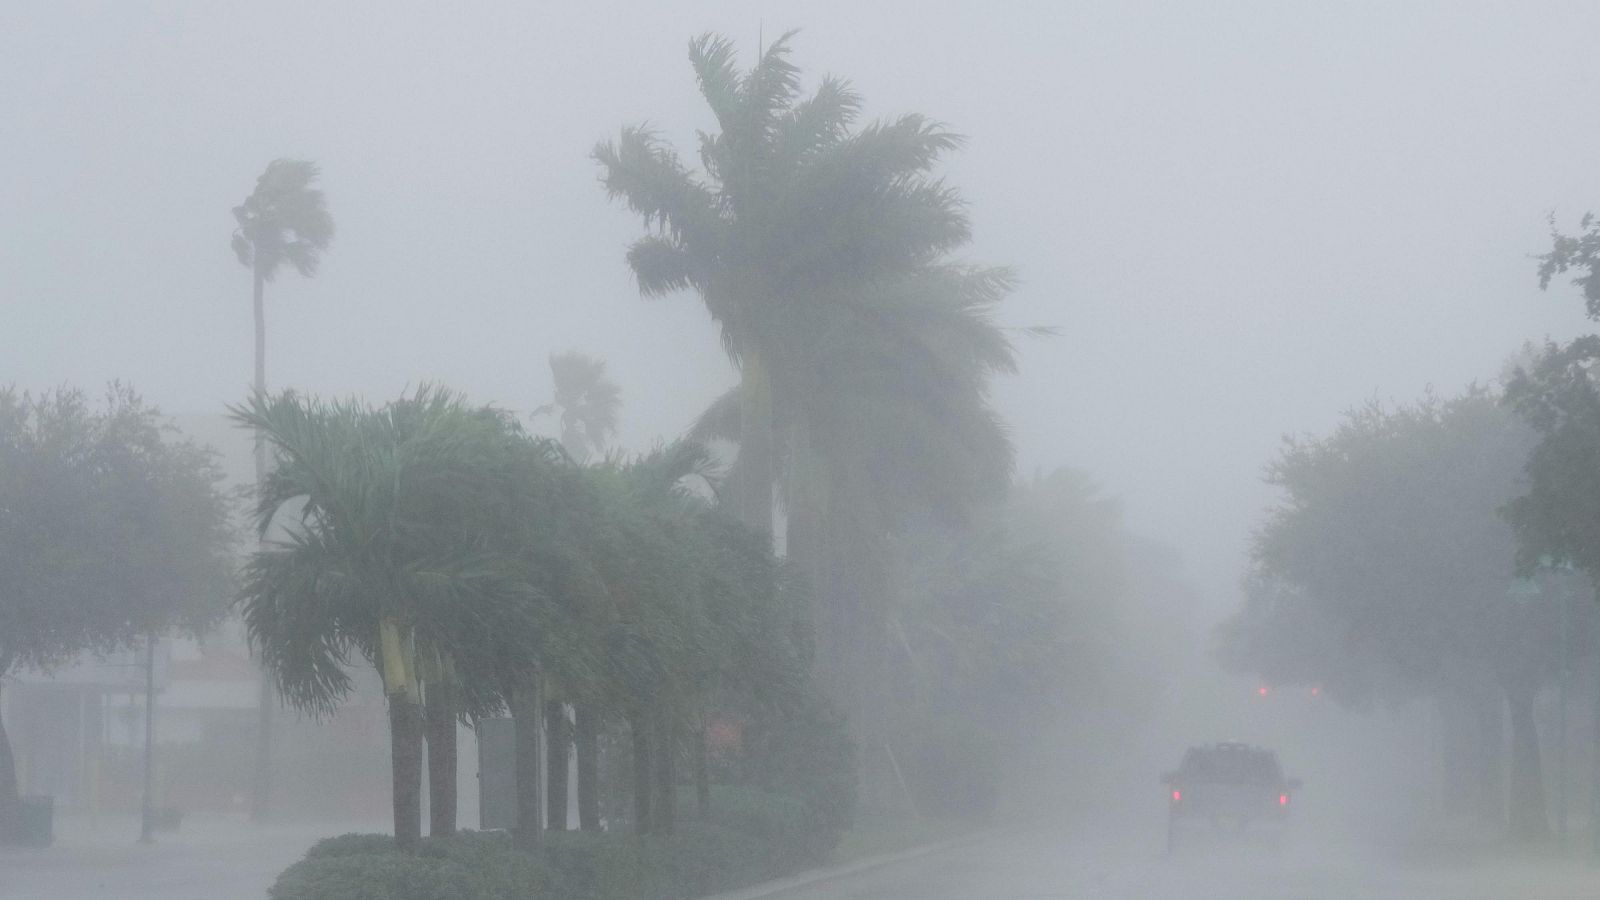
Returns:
point(1242, 218)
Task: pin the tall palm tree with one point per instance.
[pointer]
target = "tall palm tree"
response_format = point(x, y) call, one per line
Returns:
point(793, 212)
point(405, 544)
point(886, 422)
point(284, 221)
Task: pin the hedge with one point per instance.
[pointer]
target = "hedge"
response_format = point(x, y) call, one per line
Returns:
point(752, 837)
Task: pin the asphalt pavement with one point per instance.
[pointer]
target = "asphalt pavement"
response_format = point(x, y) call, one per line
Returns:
point(209, 858)
point(1041, 865)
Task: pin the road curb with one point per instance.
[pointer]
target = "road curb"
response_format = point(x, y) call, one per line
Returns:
point(815, 877)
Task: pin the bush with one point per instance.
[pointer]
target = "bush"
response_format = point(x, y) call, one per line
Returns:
point(807, 753)
point(754, 841)
point(373, 876)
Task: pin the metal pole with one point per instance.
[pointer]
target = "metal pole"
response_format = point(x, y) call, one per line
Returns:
point(1594, 778)
point(147, 831)
point(1561, 720)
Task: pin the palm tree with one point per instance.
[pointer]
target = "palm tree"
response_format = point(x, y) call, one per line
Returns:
point(283, 221)
point(586, 401)
point(405, 545)
point(864, 353)
point(793, 214)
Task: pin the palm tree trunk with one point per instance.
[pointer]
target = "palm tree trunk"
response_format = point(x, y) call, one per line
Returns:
point(586, 739)
point(442, 708)
point(1527, 812)
point(666, 806)
point(558, 765)
point(261, 789)
point(639, 729)
point(525, 715)
point(10, 794)
point(405, 737)
point(755, 464)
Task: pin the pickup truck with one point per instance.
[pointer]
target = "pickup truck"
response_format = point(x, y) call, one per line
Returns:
point(1229, 789)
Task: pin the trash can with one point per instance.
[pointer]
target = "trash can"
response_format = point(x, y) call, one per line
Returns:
point(38, 821)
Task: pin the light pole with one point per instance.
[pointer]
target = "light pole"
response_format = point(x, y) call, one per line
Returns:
point(147, 829)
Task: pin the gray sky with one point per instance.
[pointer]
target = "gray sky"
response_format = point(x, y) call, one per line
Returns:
point(1243, 218)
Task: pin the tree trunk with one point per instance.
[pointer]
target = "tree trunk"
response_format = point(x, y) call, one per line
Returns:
point(558, 766)
point(639, 729)
point(525, 714)
point(1526, 809)
point(666, 805)
point(266, 699)
point(702, 775)
point(10, 794)
point(755, 464)
point(443, 704)
point(586, 738)
point(1491, 789)
point(405, 741)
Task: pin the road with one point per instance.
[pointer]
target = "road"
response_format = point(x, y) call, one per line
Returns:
point(229, 860)
point(1045, 866)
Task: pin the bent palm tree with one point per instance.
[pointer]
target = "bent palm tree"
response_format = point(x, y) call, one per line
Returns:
point(283, 221)
point(586, 401)
point(403, 546)
point(864, 354)
point(793, 212)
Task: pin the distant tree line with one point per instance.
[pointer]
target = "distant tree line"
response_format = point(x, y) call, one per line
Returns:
point(1445, 549)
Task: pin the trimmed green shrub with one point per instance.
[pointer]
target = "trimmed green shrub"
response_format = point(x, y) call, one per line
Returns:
point(352, 845)
point(759, 838)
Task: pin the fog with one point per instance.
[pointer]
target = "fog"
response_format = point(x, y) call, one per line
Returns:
point(1238, 221)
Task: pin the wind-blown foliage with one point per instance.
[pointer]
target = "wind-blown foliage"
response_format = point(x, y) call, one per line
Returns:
point(586, 401)
point(803, 232)
point(284, 221)
point(403, 535)
point(1390, 539)
point(407, 513)
point(821, 248)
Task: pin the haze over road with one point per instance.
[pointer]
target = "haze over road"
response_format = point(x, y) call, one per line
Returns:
point(1036, 865)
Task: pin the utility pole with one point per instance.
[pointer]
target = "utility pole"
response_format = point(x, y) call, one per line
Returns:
point(147, 830)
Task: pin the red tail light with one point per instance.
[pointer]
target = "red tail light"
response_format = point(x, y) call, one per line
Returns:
point(1283, 799)
point(1177, 796)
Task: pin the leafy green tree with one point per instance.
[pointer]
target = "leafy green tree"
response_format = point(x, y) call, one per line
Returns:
point(1390, 538)
point(284, 221)
point(404, 543)
point(111, 530)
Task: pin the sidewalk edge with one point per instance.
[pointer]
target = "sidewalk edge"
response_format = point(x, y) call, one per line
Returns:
point(815, 877)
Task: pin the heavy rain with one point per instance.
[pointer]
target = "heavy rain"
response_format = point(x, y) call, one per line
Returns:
point(907, 451)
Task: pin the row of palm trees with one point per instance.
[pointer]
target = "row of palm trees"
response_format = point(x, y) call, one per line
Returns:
point(823, 250)
point(480, 569)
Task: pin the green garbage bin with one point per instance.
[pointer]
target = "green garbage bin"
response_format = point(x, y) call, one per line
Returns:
point(38, 821)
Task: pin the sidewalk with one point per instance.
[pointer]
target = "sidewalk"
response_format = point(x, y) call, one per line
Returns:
point(209, 858)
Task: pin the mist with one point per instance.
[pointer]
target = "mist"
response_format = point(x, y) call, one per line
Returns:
point(1229, 240)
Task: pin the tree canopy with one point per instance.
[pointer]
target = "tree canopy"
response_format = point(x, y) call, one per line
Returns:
point(1388, 570)
point(112, 530)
